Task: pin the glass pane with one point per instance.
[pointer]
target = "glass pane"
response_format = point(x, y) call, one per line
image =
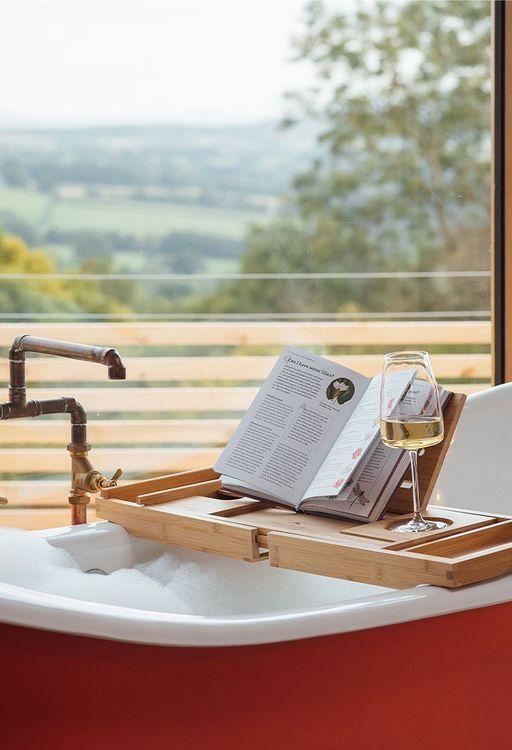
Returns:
point(200, 184)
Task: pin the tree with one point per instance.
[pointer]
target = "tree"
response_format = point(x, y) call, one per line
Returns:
point(401, 98)
point(55, 295)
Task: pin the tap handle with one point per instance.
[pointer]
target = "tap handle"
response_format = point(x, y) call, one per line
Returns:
point(115, 477)
point(93, 481)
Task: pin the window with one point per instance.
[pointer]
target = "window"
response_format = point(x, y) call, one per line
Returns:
point(199, 184)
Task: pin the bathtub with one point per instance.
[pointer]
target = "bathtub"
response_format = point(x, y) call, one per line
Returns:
point(357, 674)
point(423, 667)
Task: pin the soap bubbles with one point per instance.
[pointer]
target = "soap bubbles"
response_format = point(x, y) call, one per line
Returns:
point(177, 581)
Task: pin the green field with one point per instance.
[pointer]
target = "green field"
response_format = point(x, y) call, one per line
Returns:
point(133, 217)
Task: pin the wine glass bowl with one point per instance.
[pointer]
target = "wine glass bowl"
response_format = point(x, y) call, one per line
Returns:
point(411, 419)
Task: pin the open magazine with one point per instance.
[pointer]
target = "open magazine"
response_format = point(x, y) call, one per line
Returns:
point(311, 439)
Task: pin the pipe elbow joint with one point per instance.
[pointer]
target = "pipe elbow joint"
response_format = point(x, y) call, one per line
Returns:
point(116, 368)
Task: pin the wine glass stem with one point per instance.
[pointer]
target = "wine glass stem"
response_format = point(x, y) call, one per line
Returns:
point(413, 456)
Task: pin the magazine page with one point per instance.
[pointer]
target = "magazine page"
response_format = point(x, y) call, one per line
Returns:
point(356, 439)
point(370, 488)
point(291, 425)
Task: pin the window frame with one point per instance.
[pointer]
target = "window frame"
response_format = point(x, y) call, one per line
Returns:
point(501, 193)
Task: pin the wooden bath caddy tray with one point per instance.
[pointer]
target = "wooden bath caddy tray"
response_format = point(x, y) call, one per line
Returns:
point(189, 510)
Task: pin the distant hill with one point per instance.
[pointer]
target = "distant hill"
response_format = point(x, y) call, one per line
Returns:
point(236, 166)
point(185, 195)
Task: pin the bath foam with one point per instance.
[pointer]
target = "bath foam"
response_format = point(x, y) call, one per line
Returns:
point(177, 581)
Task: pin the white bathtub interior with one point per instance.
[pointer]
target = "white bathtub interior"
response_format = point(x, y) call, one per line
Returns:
point(149, 576)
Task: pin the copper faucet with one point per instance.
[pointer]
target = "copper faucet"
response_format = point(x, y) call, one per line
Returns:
point(84, 477)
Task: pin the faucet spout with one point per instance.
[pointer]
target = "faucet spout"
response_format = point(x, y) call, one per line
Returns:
point(103, 355)
point(116, 368)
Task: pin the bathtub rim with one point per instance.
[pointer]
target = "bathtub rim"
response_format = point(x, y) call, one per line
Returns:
point(33, 609)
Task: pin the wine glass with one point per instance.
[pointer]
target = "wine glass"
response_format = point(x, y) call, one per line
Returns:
point(411, 418)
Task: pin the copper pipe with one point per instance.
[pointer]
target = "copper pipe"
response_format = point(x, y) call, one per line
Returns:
point(103, 355)
point(78, 514)
point(84, 478)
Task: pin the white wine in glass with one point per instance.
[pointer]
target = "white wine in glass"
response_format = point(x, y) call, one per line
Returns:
point(412, 434)
point(412, 423)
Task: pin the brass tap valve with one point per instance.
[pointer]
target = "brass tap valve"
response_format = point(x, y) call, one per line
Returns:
point(85, 479)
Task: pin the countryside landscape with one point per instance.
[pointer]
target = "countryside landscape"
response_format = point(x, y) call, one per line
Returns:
point(178, 198)
point(375, 169)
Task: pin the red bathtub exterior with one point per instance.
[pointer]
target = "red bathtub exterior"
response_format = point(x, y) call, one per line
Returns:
point(444, 682)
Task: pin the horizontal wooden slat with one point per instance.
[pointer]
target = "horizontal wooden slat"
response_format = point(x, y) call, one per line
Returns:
point(267, 334)
point(121, 431)
point(34, 519)
point(207, 533)
point(175, 399)
point(34, 492)
point(468, 388)
point(462, 366)
point(128, 399)
point(232, 368)
point(42, 493)
point(55, 460)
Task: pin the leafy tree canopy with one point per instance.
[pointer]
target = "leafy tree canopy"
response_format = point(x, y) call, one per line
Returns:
point(44, 296)
point(401, 97)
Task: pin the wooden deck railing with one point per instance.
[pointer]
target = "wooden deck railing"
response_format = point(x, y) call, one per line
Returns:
point(178, 409)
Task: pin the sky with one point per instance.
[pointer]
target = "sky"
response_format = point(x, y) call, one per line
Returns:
point(82, 62)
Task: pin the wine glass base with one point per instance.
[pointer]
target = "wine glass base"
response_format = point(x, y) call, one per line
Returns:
point(415, 526)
